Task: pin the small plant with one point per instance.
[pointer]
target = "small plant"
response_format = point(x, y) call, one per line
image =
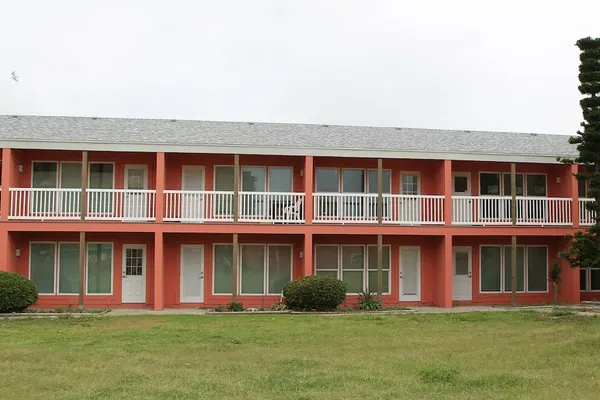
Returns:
point(314, 292)
point(279, 306)
point(554, 278)
point(16, 292)
point(235, 306)
point(368, 301)
point(220, 308)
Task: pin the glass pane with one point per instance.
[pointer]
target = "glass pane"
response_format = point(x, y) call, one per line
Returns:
point(136, 179)
point(508, 185)
point(410, 184)
point(461, 263)
point(42, 266)
point(44, 175)
point(489, 184)
point(68, 268)
point(224, 179)
point(508, 268)
point(280, 267)
point(594, 279)
point(387, 181)
point(582, 186)
point(373, 257)
point(223, 258)
point(101, 176)
point(537, 268)
point(326, 257)
point(327, 180)
point(372, 284)
point(253, 269)
point(461, 184)
point(99, 268)
point(280, 179)
point(332, 274)
point(490, 269)
point(352, 257)
point(536, 185)
point(353, 281)
point(253, 179)
point(70, 175)
point(353, 181)
point(583, 279)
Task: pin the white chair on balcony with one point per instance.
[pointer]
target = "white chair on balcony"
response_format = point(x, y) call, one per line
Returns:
point(294, 212)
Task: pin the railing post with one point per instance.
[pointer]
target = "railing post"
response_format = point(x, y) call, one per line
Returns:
point(308, 189)
point(447, 177)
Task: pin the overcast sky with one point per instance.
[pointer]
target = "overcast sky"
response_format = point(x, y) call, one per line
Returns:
point(507, 65)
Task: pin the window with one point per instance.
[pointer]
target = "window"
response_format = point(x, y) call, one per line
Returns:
point(44, 175)
point(41, 266)
point(264, 269)
point(386, 177)
point(589, 279)
point(253, 179)
point(280, 179)
point(410, 184)
point(489, 184)
point(508, 185)
point(496, 269)
point(355, 265)
point(327, 180)
point(101, 176)
point(536, 185)
point(224, 178)
point(68, 268)
point(99, 268)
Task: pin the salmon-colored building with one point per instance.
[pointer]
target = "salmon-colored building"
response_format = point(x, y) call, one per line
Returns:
point(158, 211)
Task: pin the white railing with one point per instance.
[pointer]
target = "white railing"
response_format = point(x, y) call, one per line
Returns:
point(496, 210)
point(199, 206)
point(586, 217)
point(121, 205)
point(362, 208)
point(36, 203)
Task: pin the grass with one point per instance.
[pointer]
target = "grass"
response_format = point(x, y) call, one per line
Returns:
point(442, 356)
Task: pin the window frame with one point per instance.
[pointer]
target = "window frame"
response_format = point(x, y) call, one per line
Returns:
point(588, 280)
point(58, 269)
point(112, 268)
point(266, 167)
point(410, 173)
point(267, 254)
point(340, 183)
point(365, 270)
point(54, 286)
point(501, 188)
point(503, 272)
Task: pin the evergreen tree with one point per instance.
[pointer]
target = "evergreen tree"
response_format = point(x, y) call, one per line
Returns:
point(585, 247)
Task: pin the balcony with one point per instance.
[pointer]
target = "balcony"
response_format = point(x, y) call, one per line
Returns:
point(586, 217)
point(356, 208)
point(497, 210)
point(214, 206)
point(64, 204)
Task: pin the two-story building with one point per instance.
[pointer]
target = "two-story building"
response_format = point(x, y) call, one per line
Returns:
point(156, 208)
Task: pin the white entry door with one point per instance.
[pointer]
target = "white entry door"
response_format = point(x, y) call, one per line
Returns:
point(462, 209)
point(192, 274)
point(462, 284)
point(410, 273)
point(134, 273)
point(135, 202)
point(410, 206)
point(192, 203)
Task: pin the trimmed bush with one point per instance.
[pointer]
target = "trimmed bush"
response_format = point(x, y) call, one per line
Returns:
point(315, 292)
point(16, 292)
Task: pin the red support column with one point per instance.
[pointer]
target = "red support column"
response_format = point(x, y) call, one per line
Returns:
point(447, 176)
point(574, 194)
point(160, 186)
point(568, 290)
point(444, 284)
point(7, 181)
point(308, 254)
point(308, 189)
point(159, 272)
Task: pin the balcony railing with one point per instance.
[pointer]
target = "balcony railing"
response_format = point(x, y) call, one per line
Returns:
point(497, 210)
point(121, 205)
point(200, 206)
point(362, 208)
point(46, 204)
point(586, 217)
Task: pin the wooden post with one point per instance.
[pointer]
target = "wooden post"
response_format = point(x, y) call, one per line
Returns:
point(236, 212)
point(513, 261)
point(82, 212)
point(379, 222)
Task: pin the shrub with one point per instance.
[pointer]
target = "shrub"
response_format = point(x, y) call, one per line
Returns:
point(235, 306)
point(368, 301)
point(279, 306)
point(315, 292)
point(16, 292)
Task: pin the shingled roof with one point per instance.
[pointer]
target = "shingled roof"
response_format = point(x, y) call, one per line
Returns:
point(125, 134)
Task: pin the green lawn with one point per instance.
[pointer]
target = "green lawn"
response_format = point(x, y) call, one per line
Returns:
point(463, 356)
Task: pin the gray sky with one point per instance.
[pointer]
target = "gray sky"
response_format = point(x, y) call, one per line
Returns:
point(507, 65)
